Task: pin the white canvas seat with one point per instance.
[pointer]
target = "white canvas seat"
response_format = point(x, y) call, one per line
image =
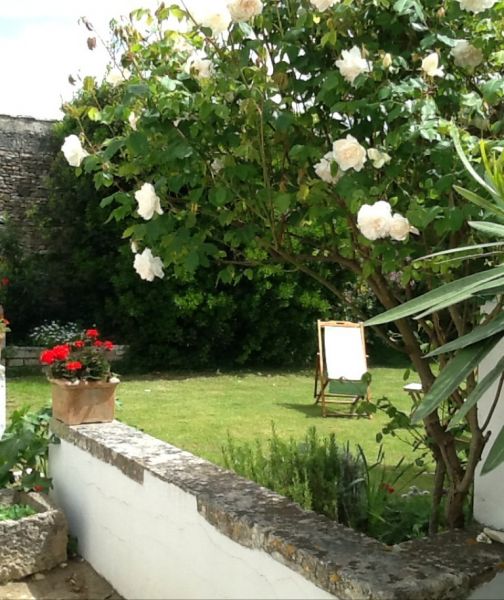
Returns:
point(341, 365)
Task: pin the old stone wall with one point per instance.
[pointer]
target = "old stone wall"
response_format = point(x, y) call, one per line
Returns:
point(27, 149)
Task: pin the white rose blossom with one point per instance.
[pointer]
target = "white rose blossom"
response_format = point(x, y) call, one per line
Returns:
point(387, 60)
point(373, 220)
point(116, 77)
point(322, 5)
point(73, 151)
point(148, 201)
point(430, 65)
point(323, 169)
point(466, 55)
point(400, 228)
point(243, 10)
point(476, 6)
point(200, 64)
point(133, 120)
point(217, 18)
point(352, 64)
point(148, 266)
point(216, 165)
point(378, 158)
point(349, 154)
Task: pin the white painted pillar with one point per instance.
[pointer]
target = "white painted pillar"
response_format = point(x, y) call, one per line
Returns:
point(489, 488)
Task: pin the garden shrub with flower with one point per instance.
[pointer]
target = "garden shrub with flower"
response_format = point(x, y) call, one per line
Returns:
point(82, 359)
point(314, 134)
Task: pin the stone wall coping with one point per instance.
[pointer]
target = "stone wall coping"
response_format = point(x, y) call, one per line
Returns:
point(345, 563)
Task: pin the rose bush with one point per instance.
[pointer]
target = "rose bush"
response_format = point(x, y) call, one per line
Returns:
point(239, 157)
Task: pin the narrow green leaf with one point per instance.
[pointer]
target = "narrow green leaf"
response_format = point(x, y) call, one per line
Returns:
point(491, 228)
point(460, 297)
point(496, 455)
point(451, 377)
point(476, 335)
point(467, 164)
point(462, 249)
point(479, 201)
point(436, 296)
point(482, 387)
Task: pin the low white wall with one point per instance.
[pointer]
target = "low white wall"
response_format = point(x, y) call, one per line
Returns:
point(3, 401)
point(149, 540)
point(489, 488)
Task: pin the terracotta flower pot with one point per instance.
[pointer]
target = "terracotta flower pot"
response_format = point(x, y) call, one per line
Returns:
point(86, 402)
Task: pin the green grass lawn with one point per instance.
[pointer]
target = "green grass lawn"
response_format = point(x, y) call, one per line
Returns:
point(195, 411)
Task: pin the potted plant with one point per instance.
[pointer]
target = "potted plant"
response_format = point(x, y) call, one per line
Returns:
point(83, 386)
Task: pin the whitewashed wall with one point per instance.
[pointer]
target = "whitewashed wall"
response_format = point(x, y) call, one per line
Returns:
point(489, 488)
point(149, 540)
point(2, 400)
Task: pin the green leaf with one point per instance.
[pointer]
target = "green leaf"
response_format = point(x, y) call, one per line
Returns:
point(469, 167)
point(137, 143)
point(94, 114)
point(479, 201)
point(491, 228)
point(453, 374)
point(458, 297)
point(436, 296)
point(479, 333)
point(496, 455)
point(493, 90)
point(483, 386)
point(112, 147)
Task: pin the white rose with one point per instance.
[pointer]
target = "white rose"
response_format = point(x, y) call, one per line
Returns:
point(148, 266)
point(218, 20)
point(133, 120)
point(430, 65)
point(373, 220)
point(243, 10)
point(400, 228)
point(73, 151)
point(387, 60)
point(466, 55)
point(323, 169)
point(476, 6)
point(217, 165)
point(379, 158)
point(116, 77)
point(349, 154)
point(148, 201)
point(134, 246)
point(322, 5)
point(202, 66)
point(352, 64)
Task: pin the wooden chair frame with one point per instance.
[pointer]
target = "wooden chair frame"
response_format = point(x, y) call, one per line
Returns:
point(322, 380)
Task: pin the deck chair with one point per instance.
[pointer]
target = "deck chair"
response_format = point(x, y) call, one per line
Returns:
point(340, 367)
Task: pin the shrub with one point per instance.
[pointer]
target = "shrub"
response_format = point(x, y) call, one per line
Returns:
point(54, 332)
point(320, 475)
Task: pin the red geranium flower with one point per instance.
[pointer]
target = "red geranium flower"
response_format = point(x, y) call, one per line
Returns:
point(98, 343)
point(92, 333)
point(74, 365)
point(108, 345)
point(5, 281)
point(47, 357)
point(79, 344)
point(61, 352)
point(388, 488)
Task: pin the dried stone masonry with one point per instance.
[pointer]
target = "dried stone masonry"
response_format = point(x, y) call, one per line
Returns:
point(26, 151)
